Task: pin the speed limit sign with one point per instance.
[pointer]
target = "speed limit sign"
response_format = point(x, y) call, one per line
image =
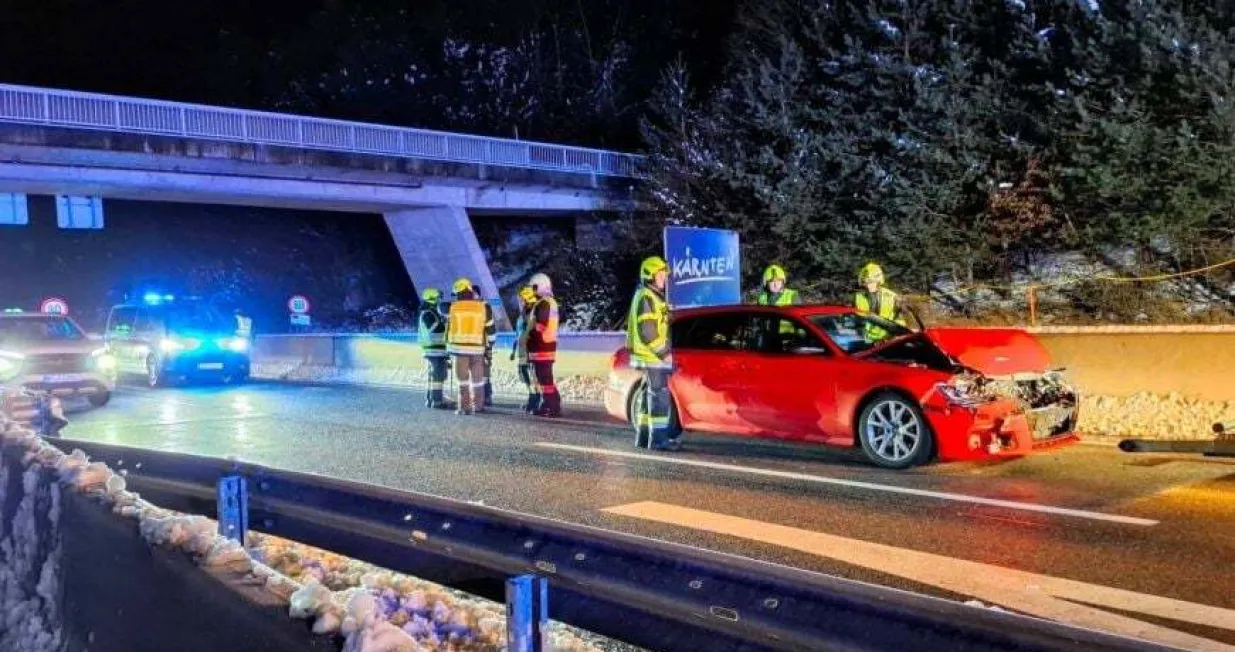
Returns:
point(299, 304)
point(54, 306)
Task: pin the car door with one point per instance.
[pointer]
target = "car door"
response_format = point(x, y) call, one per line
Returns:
point(792, 378)
point(707, 353)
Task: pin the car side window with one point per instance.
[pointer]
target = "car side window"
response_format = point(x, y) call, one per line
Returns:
point(724, 332)
point(120, 324)
point(785, 335)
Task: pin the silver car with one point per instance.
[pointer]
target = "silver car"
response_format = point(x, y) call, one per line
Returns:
point(51, 354)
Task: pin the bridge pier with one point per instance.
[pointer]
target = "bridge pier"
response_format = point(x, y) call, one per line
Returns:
point(438, 245)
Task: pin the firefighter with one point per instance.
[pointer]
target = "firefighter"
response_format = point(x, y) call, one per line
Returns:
point(466, 339)
point(490, 340)
point(877, 300)
point(244, 325)
point(774, 291)
point(431, 328)
point(647, 339)
point(518, 350)
point(542, 347)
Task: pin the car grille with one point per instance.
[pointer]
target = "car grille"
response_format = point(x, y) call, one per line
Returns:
point(59, 363)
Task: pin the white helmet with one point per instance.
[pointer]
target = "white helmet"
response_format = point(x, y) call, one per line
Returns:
point(541, 283)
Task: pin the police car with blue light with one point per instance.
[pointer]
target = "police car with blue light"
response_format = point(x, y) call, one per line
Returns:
point(168, 339)
point(51, 354)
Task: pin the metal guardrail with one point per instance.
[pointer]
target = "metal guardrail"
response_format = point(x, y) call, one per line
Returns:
point(653, 594)
point(59, 108)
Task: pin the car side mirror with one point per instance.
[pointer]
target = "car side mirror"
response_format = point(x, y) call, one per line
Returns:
point(810, 350)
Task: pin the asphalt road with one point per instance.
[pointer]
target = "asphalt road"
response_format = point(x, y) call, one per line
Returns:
point(1139, 545)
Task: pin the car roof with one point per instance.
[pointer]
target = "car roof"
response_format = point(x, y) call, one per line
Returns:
point(808, 310)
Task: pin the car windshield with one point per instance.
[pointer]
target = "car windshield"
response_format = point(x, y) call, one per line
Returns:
point(196, 317)
point(39, 329)
point(854, 333)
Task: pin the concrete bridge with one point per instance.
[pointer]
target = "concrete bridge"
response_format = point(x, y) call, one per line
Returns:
point(425, 183)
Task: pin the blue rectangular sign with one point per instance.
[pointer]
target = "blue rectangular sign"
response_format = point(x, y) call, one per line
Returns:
point(704, 267)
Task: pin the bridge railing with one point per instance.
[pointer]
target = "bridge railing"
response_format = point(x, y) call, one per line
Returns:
point(72, 109)
point(657, 595)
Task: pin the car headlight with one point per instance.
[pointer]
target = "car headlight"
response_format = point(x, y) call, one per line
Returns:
point(964, 392)
point(10, 365)
point(173, 346)
point(234, 344)
point(103, 361)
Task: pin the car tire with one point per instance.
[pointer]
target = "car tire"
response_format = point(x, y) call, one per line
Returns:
point(155, 377)
point(894, 433)
point(99, 399)
point(636, 404)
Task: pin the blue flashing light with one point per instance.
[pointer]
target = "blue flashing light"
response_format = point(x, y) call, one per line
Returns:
point(13, 311)
point(154, 298)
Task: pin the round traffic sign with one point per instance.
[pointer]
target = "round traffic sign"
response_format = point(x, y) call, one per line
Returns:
point(299, 304)
point(54, 306)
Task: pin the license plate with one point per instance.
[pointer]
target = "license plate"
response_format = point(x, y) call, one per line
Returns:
point(210, 366)
point(55, 379)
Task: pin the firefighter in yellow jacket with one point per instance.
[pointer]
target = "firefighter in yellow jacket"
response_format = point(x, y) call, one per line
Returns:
point(875, 299)
point(467, 334)
point(647, 339)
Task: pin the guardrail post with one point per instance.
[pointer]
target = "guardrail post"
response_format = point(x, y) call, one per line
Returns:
point(233, 507)
point(527, 613)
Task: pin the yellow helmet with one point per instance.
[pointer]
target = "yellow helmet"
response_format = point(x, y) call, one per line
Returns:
point(871, 273)
point(431, 295)
point(527, 295)
point(774, 273)
point(461, 285)
point(651, 267)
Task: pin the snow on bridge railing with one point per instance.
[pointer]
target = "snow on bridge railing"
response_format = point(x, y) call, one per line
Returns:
point(72, 109)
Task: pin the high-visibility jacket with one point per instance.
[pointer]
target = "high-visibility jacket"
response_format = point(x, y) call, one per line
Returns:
point(490, 329)
point(785, 297)
point(542, 331)
point(465, 328)
point(888, 308)
point(431, 329)
point(244, 327)
point(647, 330)
point(521, 333)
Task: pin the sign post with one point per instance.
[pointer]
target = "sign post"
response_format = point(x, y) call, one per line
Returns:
point(54, 306)
point(298, 305)
point(705, 267)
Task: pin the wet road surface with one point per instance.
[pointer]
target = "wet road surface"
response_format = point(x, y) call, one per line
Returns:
point(1140, 545)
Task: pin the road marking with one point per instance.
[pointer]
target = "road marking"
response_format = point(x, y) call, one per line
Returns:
point(1044, 596)
point(858, 484)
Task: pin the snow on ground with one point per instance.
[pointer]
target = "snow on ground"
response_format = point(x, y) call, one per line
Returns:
point(375, 610)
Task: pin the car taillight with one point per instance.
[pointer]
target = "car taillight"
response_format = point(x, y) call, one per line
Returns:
point(621, 358)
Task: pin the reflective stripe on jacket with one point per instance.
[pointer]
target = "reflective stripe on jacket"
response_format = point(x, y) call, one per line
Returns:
point(431, 331)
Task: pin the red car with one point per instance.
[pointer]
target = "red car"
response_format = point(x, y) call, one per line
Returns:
point(829, 375)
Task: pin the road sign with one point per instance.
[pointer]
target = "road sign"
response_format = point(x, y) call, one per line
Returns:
point(299, 304)
point(54, 306)
point(704, 267)
point(301, 320)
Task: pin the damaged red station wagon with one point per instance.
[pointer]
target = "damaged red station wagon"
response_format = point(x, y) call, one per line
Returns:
point(829, 375)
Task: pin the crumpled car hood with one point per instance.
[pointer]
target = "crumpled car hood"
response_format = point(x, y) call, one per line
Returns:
point(993, 351)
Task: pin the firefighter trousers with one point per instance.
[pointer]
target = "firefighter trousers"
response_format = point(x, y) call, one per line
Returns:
point(549, 403)
point(470, 374)
point(436, 368)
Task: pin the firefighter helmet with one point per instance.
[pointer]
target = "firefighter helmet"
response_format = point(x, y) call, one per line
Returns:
point(871, 273)
point(527, 295)
point(651, 267)
point(431, 295)
point(774, 273)
point(541, 284)
point(461, 285)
